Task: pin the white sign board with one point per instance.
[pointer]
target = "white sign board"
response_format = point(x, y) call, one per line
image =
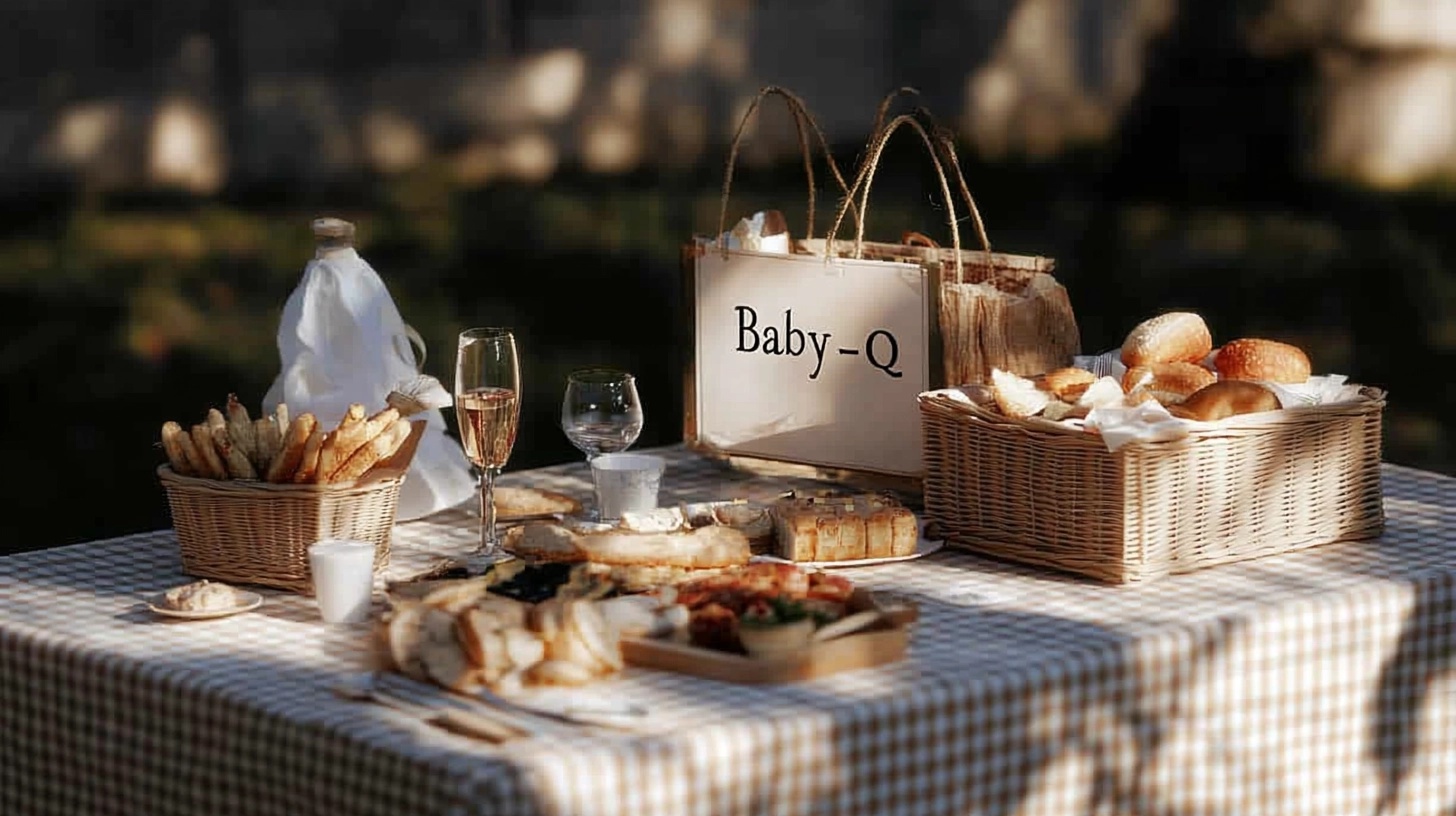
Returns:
point(805, 361)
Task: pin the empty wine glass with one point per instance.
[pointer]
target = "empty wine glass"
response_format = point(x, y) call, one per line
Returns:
point(601, 412)
point(487, 404)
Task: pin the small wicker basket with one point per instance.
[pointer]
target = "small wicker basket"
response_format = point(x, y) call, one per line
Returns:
point(1052, 495)
point(250, 532)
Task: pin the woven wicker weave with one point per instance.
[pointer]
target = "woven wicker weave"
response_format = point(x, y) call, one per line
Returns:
point(249, 532)
point(1052, 495)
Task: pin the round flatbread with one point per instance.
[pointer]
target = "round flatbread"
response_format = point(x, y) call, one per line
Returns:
point(521, 502)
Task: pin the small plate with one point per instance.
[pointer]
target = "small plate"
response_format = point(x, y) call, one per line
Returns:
point(923, 547)
point(248, 601)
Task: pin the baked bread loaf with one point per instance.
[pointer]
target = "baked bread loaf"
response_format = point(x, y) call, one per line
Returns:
point(844, 528)
point(1168, 379)
point(1226, 398)
point(1253, 358)
point(1168, 338)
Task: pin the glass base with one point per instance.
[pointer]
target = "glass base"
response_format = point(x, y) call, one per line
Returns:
point(476, 564)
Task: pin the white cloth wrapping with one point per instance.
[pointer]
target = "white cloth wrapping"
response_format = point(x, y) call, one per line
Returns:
point(747, 234)
point(342, 340)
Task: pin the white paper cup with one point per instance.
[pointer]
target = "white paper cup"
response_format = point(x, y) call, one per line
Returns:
point(343, 579)
point(626, 482)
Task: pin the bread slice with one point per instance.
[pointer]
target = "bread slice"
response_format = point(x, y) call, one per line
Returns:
point(1016, 396)
point(442, 654)
point(905, 533)
point(401, 633)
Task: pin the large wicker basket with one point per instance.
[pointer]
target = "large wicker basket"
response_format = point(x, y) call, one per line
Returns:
point(1049, 494)
point(249, 532)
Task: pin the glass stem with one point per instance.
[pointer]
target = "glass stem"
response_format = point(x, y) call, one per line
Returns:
point(488, 539)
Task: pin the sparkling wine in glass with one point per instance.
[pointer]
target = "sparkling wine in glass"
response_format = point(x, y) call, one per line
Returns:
point(601, 412)
point(487, 405)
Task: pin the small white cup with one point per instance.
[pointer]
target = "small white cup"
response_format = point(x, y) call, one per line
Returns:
point(343, 579)
point(626, 482)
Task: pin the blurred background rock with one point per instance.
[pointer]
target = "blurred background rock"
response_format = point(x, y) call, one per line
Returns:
point(1283, 166)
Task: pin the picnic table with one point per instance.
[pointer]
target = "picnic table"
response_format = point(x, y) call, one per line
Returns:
point(1319, 682)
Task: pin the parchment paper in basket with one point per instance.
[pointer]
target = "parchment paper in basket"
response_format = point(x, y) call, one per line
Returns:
point(1151, 422)
point(342, 340)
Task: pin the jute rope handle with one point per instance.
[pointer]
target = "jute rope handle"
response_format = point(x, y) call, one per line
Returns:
point(865, 178)
point(946, 140)
point(802, 118)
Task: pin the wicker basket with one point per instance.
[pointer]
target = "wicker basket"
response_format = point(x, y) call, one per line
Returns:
point(250, 532)
point(1052, 495)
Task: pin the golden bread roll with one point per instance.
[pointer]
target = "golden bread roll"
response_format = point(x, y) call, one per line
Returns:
point(1168, 378)
point(1168, 338)
point(1066, 384)
point(1226, 398)
point(1252, 358)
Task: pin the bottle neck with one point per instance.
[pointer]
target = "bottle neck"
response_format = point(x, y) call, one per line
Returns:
point(330, 247)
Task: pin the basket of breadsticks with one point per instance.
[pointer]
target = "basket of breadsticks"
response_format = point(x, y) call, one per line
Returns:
point(1167, 455)
point(249, 495)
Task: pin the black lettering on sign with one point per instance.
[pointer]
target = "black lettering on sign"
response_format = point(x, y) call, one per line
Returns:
point(789, 340)
point(891, 348)
point(752, 316)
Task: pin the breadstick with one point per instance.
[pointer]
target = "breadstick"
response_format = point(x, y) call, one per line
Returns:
point(290, 451)
point(280, 415)
point(238, 466)
point(215, 420)
point(176, 454)
point(240, 427)
point(348, 439)
point(194, 456)
point(269, 439)
point(308, 463)
point(354, 415)
point(212, 466)
point(376, 450)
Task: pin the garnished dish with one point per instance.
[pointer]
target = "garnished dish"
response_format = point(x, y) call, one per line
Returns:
point(770, 594)
point(204, 599)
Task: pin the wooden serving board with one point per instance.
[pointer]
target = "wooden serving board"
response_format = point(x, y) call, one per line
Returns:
point(883, 643)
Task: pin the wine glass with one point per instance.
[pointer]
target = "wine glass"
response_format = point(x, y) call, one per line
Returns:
point(487, 404)
point(601, 412)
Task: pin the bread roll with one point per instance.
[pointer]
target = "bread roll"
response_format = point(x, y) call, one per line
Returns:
point(1168, 338)
point(1066, 384)
point(1252, 358)
point(1181, 379)
point(1226, 398)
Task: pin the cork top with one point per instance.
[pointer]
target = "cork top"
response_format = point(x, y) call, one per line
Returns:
point(331, 233)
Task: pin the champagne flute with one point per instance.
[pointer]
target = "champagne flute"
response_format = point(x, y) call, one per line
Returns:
point(601, 412)
point(487, 404)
